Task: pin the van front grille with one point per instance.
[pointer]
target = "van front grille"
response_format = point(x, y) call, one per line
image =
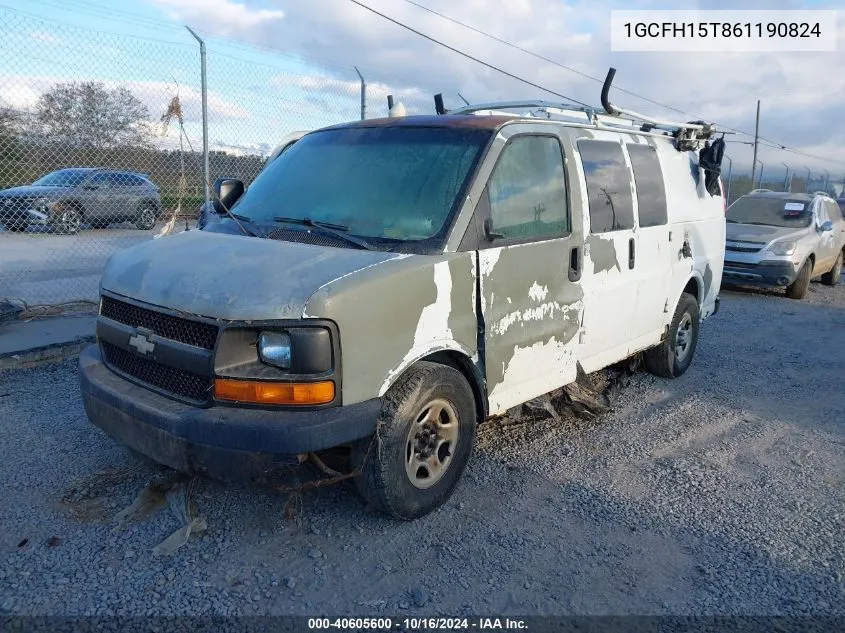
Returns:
point(175, 328)
point(176, 381)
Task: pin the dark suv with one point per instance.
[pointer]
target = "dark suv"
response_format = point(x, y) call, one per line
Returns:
point(66, 198)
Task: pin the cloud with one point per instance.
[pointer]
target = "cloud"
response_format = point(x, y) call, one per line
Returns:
point(44, 36)
point(23, 91)
point(720, 86)
point(230, 17)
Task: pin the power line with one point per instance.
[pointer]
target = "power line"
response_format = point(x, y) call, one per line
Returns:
point(467, 55)
point(771, 143)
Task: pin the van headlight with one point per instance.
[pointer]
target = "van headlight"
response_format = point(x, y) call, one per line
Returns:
point(274, 349)
point(783, 248)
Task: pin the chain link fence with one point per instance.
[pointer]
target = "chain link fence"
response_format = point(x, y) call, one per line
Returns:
point(101, 141)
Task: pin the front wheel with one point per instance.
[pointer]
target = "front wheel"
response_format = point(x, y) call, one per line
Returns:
point(146, 218)
point(832, 277)
point(422, 443)
point(798, 288)
point(67, 220)
point(674, 355)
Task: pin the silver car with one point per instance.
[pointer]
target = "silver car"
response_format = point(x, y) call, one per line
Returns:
point(65, 199)
point(783, 240)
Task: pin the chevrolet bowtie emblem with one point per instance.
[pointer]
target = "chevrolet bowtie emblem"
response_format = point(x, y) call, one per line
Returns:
point(141, 343)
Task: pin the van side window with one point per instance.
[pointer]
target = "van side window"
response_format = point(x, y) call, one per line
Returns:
point(608, 186)
point(528, 190)
point(648, 177)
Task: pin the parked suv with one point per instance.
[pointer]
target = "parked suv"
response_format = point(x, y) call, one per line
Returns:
point(67, 198)
point(783, 240)
point(385, 285)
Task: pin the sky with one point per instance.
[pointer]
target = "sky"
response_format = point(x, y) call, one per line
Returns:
point(275, 66)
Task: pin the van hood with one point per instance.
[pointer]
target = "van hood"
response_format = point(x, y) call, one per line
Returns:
point(230, 277)
point(760, 233)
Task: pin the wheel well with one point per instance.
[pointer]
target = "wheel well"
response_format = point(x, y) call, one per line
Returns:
point(76, 205)
point(458, 361)
point(693, 289)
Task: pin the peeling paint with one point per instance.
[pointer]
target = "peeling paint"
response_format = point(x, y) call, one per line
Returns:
point(538, 292)
point(602, 254)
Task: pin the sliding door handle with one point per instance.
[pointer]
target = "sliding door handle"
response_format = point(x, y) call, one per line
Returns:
point(575, 264)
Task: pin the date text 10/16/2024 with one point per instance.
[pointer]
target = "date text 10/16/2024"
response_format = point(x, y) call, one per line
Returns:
point(419, 623)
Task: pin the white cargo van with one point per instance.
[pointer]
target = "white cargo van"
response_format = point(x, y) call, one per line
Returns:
point(387, 284)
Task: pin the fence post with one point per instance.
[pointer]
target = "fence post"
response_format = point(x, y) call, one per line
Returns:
point(204, 88)
point(363, 94)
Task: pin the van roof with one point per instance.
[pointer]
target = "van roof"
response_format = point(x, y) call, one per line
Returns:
point(490, 122)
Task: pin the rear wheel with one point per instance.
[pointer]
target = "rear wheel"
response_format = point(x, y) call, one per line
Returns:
point(145, 220)
point(798, 288)
point(832, 278)
point(674, 355)
point(422, 444)
point(67, 219)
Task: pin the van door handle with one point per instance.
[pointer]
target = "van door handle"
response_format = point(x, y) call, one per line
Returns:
point(631, 254)
point(575, 264)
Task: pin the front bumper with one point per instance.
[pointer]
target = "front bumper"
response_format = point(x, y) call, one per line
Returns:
point(769, 274)
point(24, 216)
point(221, 442)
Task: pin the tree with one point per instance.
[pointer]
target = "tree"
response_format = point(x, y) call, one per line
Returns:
point(9, 122)
point(87, 114)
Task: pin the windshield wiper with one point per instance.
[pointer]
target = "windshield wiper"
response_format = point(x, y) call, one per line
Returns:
point(337, 230)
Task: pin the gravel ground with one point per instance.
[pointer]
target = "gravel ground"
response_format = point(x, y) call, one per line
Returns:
point(715, 494)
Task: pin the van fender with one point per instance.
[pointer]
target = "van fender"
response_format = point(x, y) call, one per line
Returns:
point(417, 354)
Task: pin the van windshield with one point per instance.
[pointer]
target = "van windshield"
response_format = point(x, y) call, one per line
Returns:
point(767, 211)
point(393, 183)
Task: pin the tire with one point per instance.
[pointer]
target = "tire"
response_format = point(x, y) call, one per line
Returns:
point(674, 355)
point(67, 220)
point(798, 288)
point(146, 218)
point(408, 435)
point(832, 278)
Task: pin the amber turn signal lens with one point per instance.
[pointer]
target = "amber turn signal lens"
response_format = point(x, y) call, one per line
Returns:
point(274, 392)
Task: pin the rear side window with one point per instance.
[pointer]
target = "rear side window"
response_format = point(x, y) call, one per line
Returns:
point(528, 190)
point(648, 178)
point(608, 186)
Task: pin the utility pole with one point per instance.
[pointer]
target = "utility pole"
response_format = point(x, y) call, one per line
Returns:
point(204, 88)
point(787, 183)
point(756, 138)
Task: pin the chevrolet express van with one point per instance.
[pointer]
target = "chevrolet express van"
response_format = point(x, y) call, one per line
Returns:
point(386, 285)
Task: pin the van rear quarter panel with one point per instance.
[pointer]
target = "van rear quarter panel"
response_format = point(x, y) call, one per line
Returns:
point(696, 219)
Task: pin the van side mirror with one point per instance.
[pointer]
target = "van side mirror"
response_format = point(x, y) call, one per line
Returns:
point(826, 226)
point(229, 191)
point(489, 233)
